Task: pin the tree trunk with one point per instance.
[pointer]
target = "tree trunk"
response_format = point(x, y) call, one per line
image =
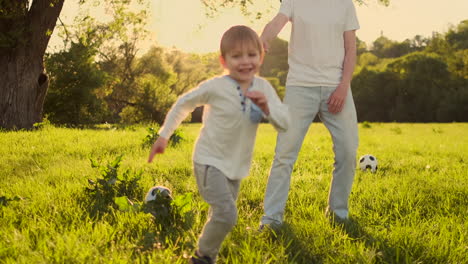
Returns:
point(23, 82)
point(23, 89)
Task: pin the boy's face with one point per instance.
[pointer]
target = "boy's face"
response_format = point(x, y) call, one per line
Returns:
point(242, 62)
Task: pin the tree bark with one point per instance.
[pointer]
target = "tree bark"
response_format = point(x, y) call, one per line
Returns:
point(23, 81)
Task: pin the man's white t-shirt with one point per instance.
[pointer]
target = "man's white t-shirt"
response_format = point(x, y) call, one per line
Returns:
point(316, 47)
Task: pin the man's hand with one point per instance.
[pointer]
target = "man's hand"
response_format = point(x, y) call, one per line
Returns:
point(260, 100)
point(272, 29)
point(158, 148)
point(265, 44)
point(337, 99)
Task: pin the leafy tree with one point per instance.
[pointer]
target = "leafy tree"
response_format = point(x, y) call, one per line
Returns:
point(74, 79)
point(361, 47)
point(415, 88)
point(386, 48)
point(438, 44)
point(418, 43)
point(118, 54)
point(95, 49)
point(458, 64)
point(154, 62)
point(25, 31)
point(166, 74)
point(151, 101)
point(275, 63)
point(458, 37)
point(191, 69)
point(374, 94)
point(454, 104)
point(419, 95)
point(367, 58)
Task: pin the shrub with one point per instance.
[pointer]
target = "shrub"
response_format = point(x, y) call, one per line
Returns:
point(176, 138)
point(113, 186)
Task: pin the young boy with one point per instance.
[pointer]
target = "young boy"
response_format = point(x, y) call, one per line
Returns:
point(234, 104)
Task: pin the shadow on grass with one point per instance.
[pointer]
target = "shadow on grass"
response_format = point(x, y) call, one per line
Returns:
point(384, 252)
point(162, 234)
point(296, 248)
point(300, 250)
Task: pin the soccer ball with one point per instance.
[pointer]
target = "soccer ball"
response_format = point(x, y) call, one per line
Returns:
point(158, 202)
point(158, 193)
point(368, 161)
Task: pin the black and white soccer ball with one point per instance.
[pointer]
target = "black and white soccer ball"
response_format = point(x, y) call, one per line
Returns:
point(368, 161)
point(158, 193)
point(158, 202)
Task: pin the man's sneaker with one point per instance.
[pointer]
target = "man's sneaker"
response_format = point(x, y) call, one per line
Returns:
point(334, 219)
point(197, 259)
point(271, 226)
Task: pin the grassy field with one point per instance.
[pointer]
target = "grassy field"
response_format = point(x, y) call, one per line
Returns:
point(412, 210)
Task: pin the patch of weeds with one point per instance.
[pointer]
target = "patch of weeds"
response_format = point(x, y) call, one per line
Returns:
point(167, 211)
point(178, 211)
point(151, 137)
point(176, 138)
point(112, 188)
point(5, 200)
point(41, 125)
point(366, 124)
point(116, 190)
point(396, 130)
point(171, 218)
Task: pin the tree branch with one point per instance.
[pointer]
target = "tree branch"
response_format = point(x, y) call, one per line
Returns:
point(41, 21)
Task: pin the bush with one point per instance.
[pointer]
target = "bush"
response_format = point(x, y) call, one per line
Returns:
point(112, 187)
point(176, 138)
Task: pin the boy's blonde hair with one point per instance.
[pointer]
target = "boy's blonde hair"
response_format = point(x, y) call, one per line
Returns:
point(240, 36)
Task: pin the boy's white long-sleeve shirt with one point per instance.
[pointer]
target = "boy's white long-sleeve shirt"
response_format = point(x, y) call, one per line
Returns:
point(227, 137)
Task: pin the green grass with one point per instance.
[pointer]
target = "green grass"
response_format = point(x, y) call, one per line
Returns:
point(412, 210)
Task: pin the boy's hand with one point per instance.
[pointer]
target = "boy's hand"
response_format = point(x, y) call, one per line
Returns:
point(337, 99)
point(260, 100)
point(158, 148)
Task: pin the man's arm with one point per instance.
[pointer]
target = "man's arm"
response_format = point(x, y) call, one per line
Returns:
point(338, 97)
point(272, 29)
point(350, 57)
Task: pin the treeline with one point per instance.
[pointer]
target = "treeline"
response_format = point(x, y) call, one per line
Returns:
point(120, 89)
point(417, 80)
point(99, 77)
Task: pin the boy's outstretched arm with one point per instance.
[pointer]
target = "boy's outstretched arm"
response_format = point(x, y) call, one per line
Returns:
point(272, 29)
point(158, 148)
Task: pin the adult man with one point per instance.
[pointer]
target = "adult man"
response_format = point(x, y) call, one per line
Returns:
point(321, 58)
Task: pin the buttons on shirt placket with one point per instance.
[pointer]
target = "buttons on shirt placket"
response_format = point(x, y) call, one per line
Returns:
point(242, 98)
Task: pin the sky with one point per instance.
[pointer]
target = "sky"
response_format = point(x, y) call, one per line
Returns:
point(182, 23)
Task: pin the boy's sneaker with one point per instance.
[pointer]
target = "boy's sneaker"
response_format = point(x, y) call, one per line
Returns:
point(197, 259)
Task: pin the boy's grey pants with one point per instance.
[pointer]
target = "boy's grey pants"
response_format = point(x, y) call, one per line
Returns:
point(304, 103)
point(221, 194)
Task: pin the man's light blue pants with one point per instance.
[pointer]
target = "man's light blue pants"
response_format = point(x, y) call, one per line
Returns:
point(304, 104)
